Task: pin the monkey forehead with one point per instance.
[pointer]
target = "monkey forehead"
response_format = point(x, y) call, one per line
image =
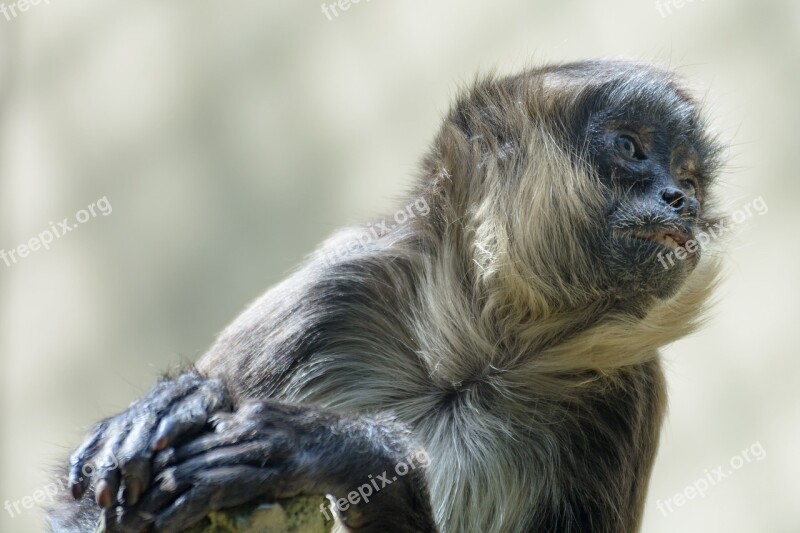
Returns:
point(574, 102)
point(616, 90)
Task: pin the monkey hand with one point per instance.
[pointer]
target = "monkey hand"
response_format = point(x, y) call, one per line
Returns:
point(117, 453)
point(268, 450)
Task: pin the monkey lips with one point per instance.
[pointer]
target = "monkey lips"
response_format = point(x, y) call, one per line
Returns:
point(674, 240)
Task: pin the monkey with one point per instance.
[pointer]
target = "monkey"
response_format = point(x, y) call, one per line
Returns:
point(510, 335)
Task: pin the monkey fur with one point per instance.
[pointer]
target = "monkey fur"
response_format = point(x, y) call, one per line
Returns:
point(510, 334)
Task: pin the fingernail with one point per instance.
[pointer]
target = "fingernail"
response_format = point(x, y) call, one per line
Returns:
point(160, 443)
point(103, 495)
point(132, 491)
point(76, 488)
point(76, 485)
point(162, 435)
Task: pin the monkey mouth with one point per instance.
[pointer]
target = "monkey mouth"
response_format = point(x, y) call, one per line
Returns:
point(669, 238)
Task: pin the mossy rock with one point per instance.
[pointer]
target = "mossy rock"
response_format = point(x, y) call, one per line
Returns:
point(296, 515)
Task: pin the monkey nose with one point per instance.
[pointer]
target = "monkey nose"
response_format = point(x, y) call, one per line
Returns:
point(677, 201)
point(674, 198)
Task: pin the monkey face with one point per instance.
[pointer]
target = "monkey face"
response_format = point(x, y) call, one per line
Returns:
point(648, 164)
point(581, 182)
point(655, 206)
point(655, 163)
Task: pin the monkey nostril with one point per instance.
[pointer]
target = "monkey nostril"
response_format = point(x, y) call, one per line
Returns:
point(674, 198)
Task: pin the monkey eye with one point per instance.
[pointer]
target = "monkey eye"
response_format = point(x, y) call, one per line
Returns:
point(629, 148)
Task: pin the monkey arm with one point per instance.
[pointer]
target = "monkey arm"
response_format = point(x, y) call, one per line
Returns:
point(174, 467)
point(251, 360)
point(266, 450)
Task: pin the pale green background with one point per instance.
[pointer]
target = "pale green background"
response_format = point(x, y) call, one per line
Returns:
point(231, 137)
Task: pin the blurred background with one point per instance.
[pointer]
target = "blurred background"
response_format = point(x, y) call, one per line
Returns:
point(228, 139)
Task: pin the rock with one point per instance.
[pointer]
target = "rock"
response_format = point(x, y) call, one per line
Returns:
point(297, 515)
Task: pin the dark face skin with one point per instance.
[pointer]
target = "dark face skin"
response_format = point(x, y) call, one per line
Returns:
point(655, 162)
point(655, 205)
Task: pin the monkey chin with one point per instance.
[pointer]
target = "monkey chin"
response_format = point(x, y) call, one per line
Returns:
point(668, 276)
point(653, 265)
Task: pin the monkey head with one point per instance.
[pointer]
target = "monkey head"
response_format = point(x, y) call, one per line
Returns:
point(580, 183)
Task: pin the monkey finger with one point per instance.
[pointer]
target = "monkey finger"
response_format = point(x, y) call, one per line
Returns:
point(205, 443)
point(163, 460)
point(167, 486)
point(134, 457)
point(221, 422)
point(191, 415)
point(107, 473)
point(109, 522)
point(257, 453)
point(79, 476)
point(160, 398)
point(188, 509)
point(129, 520)
point(105, 491)
point(186, 421)
point(169, 457)
point(174, 480)
point(169, 391)
point(216, 489)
